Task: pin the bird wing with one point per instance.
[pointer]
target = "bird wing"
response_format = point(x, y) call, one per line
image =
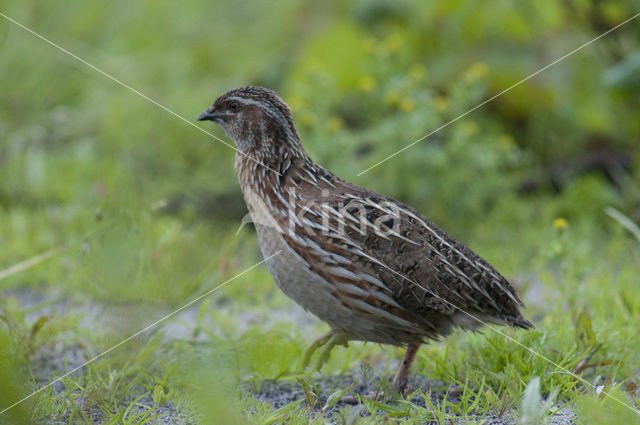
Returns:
point(396, 256)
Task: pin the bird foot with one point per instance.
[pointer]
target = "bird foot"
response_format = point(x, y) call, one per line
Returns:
point(327, 342)
point(399, 382)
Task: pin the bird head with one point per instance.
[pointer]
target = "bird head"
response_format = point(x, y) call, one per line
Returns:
point(255, 118)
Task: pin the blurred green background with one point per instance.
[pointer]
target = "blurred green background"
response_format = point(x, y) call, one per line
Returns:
point(144, 208)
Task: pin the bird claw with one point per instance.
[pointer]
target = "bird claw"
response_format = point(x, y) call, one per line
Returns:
point(306, 358)
point(327, 342)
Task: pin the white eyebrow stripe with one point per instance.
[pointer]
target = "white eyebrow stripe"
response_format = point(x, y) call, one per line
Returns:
point(268, 108)
point(264, 105)
point(244, 100)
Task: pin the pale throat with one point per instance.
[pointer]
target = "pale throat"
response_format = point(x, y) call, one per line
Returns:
point(244, 138)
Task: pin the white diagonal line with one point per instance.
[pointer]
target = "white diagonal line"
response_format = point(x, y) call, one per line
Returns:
point(375, 165)
point(111, 77)
point(37, 259)
point(138, 333)
point(499, 94)
point(531, 350)
point(30, 262)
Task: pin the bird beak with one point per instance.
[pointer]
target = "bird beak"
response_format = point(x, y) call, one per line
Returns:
point(209, 115)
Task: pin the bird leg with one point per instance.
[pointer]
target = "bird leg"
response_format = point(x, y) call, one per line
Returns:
point(327, 341)
point(402, 375)
point(313, 347)
point(338, 338)
point(399, 380)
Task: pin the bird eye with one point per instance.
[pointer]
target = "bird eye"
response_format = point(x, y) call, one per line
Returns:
point(233, 105)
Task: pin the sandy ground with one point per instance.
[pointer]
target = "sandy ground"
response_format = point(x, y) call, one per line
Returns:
point(50, 362)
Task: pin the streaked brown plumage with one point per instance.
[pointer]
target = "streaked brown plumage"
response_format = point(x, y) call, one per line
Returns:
point(371, 267)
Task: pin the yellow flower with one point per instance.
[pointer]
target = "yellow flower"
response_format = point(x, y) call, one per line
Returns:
point(468, 128)
point(392, 99)
point(506, 142)
point(367, 83)
point(392, 43)
point(560, 223)
point(335, 124)
point(442, 103)
point(476, 71)
point(407, 104)
point(417, 71)
point(306, 119)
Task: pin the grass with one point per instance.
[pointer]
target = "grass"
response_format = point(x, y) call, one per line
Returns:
point(137, 213)
point(579, 321)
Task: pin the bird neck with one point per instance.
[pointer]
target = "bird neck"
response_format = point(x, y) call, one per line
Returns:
point(266, 176)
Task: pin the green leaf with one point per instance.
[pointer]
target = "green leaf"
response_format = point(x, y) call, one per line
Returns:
point(336, 396)
point(159, 395)
point(530, 405)
point(277, 415)
point(585, 337)
point(625, 221)
point(310, 395)
point(37, 326)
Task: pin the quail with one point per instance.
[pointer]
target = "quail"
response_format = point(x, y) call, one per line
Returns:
point(370, 266)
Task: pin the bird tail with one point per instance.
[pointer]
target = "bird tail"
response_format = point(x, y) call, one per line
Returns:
point(519, 322)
